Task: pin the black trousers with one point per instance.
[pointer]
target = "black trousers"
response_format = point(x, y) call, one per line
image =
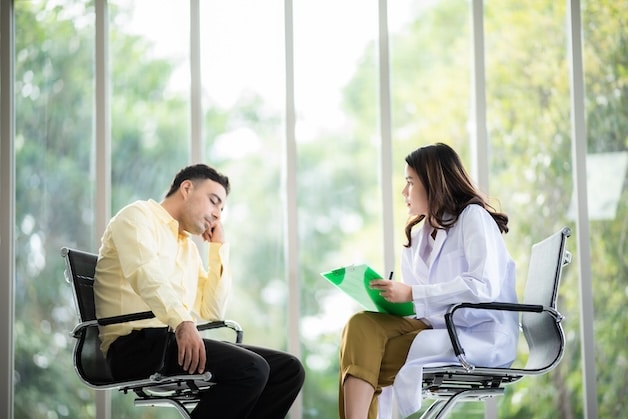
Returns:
point(251, 382)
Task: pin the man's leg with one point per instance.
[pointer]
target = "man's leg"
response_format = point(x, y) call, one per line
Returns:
point(240, 376)
point(138, 354)
point(284, 383)
point(250, 381)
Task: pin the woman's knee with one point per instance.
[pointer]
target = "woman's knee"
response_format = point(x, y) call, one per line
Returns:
point(360, 322)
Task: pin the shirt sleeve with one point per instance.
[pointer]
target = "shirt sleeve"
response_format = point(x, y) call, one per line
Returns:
point(138, 245)
point(214, 284)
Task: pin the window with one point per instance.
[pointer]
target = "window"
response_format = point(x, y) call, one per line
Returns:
point(54, 206)
point(243, 90)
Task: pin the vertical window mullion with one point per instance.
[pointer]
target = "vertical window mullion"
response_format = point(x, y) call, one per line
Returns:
point(385, 139)
point(102, 154)
point(196, 110)
point(7, 203)
point(479, 135)
point(579, 152)
point(289, 170)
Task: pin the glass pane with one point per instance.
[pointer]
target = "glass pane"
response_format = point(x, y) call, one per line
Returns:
point(529, 127)
point(54, 114)
point(605, 63)
point(243, 99)
point(431, 46)
point(430, 84)
point(150, 79)
point(339, 198)
point(150, 118)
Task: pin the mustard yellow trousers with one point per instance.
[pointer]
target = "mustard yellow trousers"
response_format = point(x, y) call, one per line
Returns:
point(374, 347)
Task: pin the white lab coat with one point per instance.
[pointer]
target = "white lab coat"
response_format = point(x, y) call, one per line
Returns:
point(467, 263)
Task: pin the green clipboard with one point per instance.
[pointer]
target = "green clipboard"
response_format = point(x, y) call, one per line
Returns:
point(354, 280)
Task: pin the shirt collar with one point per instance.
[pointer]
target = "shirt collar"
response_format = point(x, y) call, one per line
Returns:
point(165, 217)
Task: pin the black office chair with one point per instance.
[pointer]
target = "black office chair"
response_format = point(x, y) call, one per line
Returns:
point(541, 325)
point(161, 390)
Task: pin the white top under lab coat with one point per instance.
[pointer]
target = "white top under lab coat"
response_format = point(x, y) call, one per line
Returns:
point(466, 263)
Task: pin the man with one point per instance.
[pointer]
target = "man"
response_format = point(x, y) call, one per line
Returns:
point(148, 261)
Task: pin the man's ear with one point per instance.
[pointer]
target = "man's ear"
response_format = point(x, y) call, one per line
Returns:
point(185, 188)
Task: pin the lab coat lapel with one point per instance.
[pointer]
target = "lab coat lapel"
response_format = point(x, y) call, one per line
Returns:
point(420, 266)
point(441, 236)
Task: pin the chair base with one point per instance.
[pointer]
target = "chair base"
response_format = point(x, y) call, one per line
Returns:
point(183, 408)
point(444, 403)
point(451, 384)
point(181, 392)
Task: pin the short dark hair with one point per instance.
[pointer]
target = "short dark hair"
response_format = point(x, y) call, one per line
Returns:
point(197, 172)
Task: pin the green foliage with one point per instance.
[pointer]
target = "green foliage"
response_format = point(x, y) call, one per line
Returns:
point(529, 127)
point(54, 183)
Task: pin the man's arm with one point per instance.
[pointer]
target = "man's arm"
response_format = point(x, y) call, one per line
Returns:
point(142, 243)
point(214, 284)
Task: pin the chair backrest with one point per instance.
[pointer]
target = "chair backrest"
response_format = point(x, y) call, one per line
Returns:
point(89, 361)
point(543, 332)
point(80, 269)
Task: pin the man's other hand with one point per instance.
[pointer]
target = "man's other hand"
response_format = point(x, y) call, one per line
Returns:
point(191, 348)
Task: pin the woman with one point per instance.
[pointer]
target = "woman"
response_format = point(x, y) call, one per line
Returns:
point(454, 252)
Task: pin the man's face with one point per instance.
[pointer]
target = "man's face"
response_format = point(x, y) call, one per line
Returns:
point(203, 203)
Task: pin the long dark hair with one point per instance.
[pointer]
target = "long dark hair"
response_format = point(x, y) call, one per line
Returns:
point(448, 188)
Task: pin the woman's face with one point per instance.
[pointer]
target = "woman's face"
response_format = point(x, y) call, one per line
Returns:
point(414, 194)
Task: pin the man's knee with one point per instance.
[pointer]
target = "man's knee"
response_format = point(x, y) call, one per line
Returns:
point(296, 370)
point(257, 369)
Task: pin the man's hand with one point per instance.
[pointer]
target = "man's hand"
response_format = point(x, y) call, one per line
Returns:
point(192, 354)
point(215, 233)
point(392, 291)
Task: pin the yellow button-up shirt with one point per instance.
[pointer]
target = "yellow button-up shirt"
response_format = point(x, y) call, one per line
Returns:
point(144, 264)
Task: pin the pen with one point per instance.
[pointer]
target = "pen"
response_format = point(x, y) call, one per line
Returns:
point(390, 276)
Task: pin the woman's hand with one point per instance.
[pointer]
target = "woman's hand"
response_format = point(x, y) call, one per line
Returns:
point(392, 291)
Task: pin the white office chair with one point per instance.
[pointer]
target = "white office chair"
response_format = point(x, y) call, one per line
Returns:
point(541, 325)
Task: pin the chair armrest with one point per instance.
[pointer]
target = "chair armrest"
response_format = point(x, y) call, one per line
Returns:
point(453, 334)
point(231, 324)
point(123, 318)
point(106, 321)
point(78, 329)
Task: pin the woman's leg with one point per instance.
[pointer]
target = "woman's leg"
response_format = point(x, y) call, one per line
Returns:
point(358, 395)
point(364, 351)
